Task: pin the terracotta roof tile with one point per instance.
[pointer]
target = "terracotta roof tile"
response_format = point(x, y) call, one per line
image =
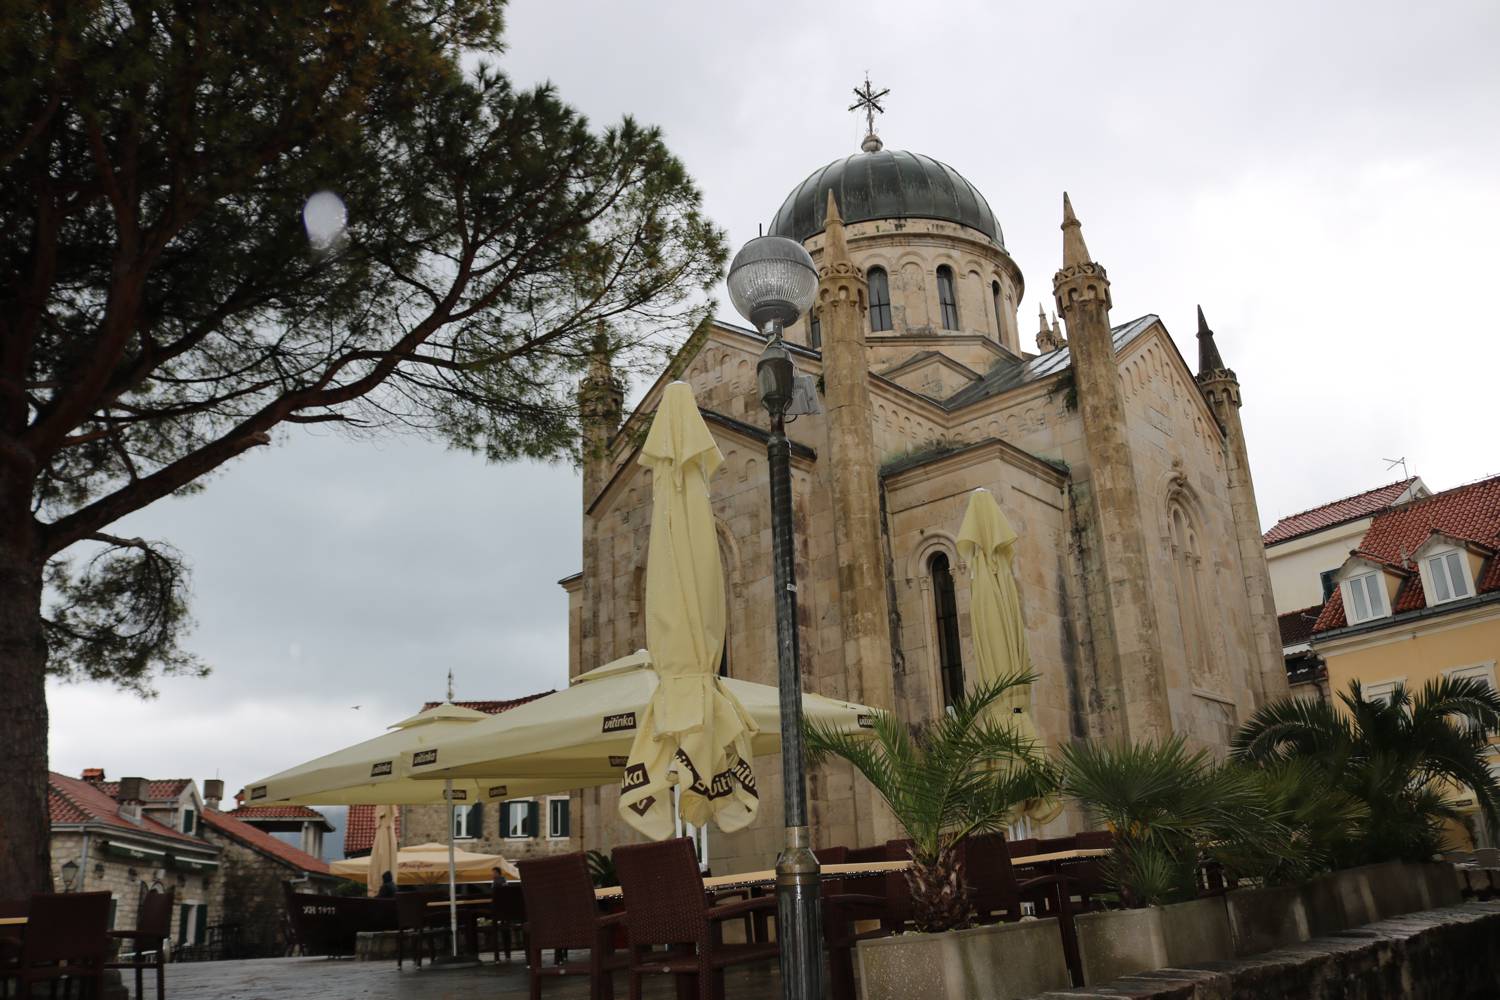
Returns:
point(492, 707)
point(275, 812)
point(1337, 512)
point(1467, 513)
point(157, 789)
point(1296, 626)
point(72, 800)
point(261, 841)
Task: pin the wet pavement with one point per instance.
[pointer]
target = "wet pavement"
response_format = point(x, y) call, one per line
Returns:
point(335, 979)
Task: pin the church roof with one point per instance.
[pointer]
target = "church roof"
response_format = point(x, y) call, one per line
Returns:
point(1008, 375)
point(885, 184)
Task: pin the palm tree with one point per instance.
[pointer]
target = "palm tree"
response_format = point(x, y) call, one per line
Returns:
point(1402, 758)
point(958, 775)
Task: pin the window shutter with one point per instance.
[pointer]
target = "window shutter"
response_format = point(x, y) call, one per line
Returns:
point(476, 820)
point(201, 937)
point(533, 808)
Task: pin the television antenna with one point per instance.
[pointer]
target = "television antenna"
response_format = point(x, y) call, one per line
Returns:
point(1393, 462)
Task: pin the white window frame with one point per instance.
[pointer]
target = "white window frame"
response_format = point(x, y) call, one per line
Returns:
point(466, 811)
point(1436, 580)
point(505, 819)
point(1350, 607)
point(551, 833)
point(1475, 671)
point(1382, 690)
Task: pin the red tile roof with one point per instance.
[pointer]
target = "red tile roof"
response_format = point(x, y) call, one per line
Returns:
point(261, 841)
point(157, 789)
point(359, 830)
point(359, 826)
point(276, 812)
point(1296, 626)
point(71, 800)
point(492, 707)
point(1467, 513)
point(1337, 512)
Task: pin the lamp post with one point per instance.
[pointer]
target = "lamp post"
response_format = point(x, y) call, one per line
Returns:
point(772, 282)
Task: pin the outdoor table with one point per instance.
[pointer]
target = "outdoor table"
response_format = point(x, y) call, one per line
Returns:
point(468, 920)
point(746, 880)
point(12, 921)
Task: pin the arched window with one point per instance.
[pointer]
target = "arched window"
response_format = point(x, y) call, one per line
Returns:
point(814, 331)
point(947, 297)
point(880, 299)
point(995, 297)
point(1187, 562)
point(945, 608)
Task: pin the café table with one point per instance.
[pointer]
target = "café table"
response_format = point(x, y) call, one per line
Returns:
point(747, 880)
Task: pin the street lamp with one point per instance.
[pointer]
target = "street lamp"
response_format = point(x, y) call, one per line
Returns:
point(69, 874)
point(772, 282)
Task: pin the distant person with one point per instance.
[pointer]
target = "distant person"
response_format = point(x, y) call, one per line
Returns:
point(387, 886)
point(497, 877)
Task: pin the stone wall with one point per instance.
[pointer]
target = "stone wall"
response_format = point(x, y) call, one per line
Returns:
point(1446, 954)
point(429, 825)
point(124, 879)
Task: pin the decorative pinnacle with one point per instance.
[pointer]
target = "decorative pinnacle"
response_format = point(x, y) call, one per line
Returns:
point(835, 248)
point(869, 101)
point(1075, 251)
point(1041, 315)
point(1208, 352)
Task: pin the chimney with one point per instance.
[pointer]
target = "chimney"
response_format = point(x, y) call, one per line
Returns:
point(132, 792)
point(93, 775)
point(213, 791)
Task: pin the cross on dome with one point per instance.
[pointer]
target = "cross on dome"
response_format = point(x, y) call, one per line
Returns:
point(869, 102)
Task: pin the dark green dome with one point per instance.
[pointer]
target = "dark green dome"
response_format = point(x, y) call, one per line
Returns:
point(885, 184)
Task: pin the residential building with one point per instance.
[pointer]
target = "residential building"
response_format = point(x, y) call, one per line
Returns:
point(1418, 598)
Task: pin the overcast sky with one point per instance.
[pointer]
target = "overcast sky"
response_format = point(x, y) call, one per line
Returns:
point(1321, 177)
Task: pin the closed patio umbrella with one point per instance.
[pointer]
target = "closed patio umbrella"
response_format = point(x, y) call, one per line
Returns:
point(693, 724)
point(986, 541)
point(382, 857)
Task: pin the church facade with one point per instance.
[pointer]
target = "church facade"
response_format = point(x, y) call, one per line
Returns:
point(1142, 576)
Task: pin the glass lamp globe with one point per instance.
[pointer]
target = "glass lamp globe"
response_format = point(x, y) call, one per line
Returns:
point(772, 281)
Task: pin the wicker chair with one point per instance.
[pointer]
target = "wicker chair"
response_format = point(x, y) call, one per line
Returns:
point(153, 925)
point(563, 915)
point(1022, 848)
point(998, 894)
point(418, 923)
point(842, 909)
point(67, 937)
point(507, 918)
point(665, 906)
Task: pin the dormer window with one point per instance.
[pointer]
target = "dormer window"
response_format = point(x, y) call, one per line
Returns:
point(1445, 576)
point(1364, 597)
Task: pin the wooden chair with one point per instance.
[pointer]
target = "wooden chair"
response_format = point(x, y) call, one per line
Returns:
point(563, 915)
point(153, 926)
point(1022, 848)
point(507, 917)
point(665, 906)
point(998, 895)
point(67, 938)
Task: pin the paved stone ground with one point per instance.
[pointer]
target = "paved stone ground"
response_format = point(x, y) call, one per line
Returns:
point(338, 979)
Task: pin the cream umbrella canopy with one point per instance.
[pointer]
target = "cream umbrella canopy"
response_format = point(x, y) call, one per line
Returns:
point(582, 737)
point(693, 724)
point(383, 852)
point(986, 541)
point(427, 864)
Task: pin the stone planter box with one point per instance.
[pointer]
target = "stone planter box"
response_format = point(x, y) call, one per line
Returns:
point(1115, 943)
point(1262, 919)
point(1197, 931)
point(999, 961)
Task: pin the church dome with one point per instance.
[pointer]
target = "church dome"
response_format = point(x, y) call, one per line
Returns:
point(885, 184)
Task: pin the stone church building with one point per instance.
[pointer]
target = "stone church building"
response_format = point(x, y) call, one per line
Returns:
point(1142, 576)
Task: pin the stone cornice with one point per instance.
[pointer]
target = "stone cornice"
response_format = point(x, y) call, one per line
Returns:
point(973, 454)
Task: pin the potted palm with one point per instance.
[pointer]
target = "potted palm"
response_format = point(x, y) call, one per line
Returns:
point(946, 780)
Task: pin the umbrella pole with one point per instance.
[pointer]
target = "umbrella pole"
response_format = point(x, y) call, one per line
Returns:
point(452, 875)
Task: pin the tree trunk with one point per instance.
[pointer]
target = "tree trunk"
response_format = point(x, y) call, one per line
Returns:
point(25, 828)
point(940, 898)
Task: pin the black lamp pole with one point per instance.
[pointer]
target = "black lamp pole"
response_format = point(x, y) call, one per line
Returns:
point(797, 924)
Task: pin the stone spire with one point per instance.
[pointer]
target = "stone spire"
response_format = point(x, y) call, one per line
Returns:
point(1208, 351)
point(1048, 339)
point(1129, 673)
point(852, 473)
point(1221, 390)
